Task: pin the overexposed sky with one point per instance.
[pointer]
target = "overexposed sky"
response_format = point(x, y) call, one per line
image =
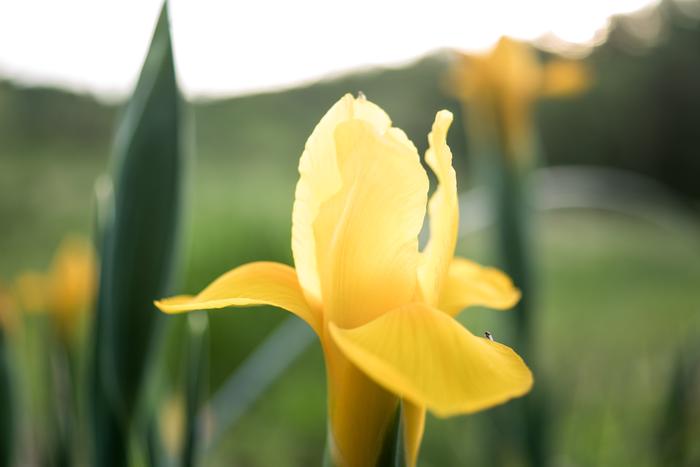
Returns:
point(225, 47)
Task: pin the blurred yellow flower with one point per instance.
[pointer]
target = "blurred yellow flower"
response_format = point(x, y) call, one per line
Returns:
point(30, 290)
point(503, 84)
point(383, 310)
point(66, 291)
point(564, 78)
point(172, 424)
point(8, 312)
point(71, 283)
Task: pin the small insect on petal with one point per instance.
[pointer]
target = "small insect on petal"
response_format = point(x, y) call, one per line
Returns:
point(488, 335)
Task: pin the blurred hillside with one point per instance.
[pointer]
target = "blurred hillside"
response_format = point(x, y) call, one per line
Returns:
point(642, 114)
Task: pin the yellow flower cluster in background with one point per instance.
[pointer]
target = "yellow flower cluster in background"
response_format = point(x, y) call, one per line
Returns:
point(66, 291)
point(383, 310)
point(502, 85)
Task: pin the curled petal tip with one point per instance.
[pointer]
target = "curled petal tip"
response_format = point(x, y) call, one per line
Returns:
point(444, 116)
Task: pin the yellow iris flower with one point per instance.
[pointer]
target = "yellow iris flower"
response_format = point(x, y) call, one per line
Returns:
point(383, 310)
point(72, 282)
point(503, 84)
point(66, 291)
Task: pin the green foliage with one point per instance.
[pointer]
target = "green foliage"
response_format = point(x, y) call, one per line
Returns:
point(6, 407)
point(679, 427)
point(195, 385)
point(393, 451)
point(138, 248)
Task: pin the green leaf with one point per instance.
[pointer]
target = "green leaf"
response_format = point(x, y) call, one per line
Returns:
point(678, 428)
point(138, 237)
point(196, 379)
point(393, 451)
point(108, 436)
point(139, 252)
point(253, 377)
point(6, 419)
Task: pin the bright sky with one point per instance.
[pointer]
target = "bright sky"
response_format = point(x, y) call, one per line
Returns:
point(232, 47)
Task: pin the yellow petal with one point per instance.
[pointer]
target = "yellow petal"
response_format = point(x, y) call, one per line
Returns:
point(413, 428)
point(565, 78)
point(30, 290)
point(319, 180)
point(72, 282)
point(425, 356)
point(261, 283)
point(469, 284)
point(502, 86)
point(367, 233)
point(513, 70)
point(459, 79)
point(443, 210)
point(360, 412)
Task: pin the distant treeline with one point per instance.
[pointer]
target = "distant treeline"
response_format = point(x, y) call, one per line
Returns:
point(642, 113)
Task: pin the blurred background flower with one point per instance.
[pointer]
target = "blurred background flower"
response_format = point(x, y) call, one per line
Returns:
point(615, 196)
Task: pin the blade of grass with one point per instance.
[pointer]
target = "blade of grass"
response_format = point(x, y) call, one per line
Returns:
point(196, 377)
point(243, 388)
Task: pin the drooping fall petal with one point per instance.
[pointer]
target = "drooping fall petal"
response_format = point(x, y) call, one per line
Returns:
point(367, 233)
point(443, 210)
point(260, 283)
point(469, 284)
point(319, 180)
point(425, 356)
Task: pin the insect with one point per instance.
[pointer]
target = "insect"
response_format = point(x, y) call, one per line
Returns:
point(488, 335)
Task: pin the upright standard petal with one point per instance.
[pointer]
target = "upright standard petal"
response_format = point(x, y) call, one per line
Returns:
point(319, 180)
point(367, 233)
point(518, 76)
point(443, 211)
point(427, 357)
point(261, 283)
point(469, 284)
